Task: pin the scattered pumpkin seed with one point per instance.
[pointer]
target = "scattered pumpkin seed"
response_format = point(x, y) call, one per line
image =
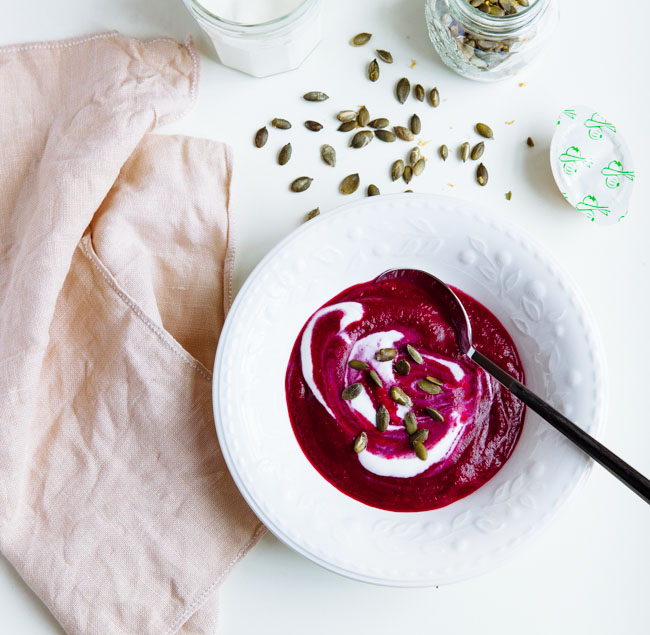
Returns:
point(420, 450)
point(403, 133)
point(375, 378)
point(349, 184)
point(415, 124)
point(261, 137)
point(477, 151)
point(444, 152)
point(418, 168)
point(301, 184)
point(385, 354)
point(373, 190)
point(418, 91)
point(415, 354)
point(361, 442)
point(363, 117)
point(385, 135)
point(408, 191)
point(362, 139)
point(284, 154)
point(360, 39)
point(414, 155)
point(484, 130)
point(508, 196)
point(282, 124)
point(313, 214)
point(530, 142)
point(352, 391)
point(373, 71)
point(315, 95)
point(434, 380)
point(402, 367)
point(382, 418)
point(397, 169)
point(464, 151)
point(382, 122)
point(434, 97)
point(385, 56)
point(347, 115)
point(419, 436)
point(328, 154)
point(408, 174)
point(402, 90)
point(400, 397)
point(410, 423)
point(434, 414)
point(314, 126)
point(357, 364)
point(346, 126)
point(428, 387)
point(481, 174)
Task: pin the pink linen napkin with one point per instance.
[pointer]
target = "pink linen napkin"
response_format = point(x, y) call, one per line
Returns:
point(116, 506)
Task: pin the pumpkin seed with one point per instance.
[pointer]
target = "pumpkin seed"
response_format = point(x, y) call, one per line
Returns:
point(434, 380)
point(418, 168)
point(314, 126)
point(373, 190)
point(312, 214)
point(357, 364)
point(382, 122)
point(315, 95)
point(464, 151)
point(484, 130)
point(362, 139)
point(414, 155)
point(285, 154)
point(477, 151)
point(283, 124)
point(434, 97)
point(301, 184)
point(420, 450)
point(360, 39)
point(363, 117)
point(403, 133)
point(434, 414)
point(385, 354)
point(349, 184)
point(419, 436)
point(261, 137)
point(415, 124)
point(346, 126)
point(385, 56)
point(530, 142)
point(373, 71)
point(508, 196)
point(402, 367)
point(400, 397)
point(382, 418)
point(397, 169)
point(375, 378)
point(352, 391)
point(408, 174)
point(444, 152)
point(328, 154)
point(428, 387)
point(481, 174)
point(347, 115)
point(402, 90)
point(415, 354)
point(385, 135)
point(418, 91)
point(361, 442)
point(410, 423)
point(408, 191)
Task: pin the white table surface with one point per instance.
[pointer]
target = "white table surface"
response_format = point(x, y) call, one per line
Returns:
point(588, 573)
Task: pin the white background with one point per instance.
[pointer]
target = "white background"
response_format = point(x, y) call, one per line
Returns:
point(589, 572)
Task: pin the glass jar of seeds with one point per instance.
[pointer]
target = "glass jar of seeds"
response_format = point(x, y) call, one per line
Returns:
point(489, 40)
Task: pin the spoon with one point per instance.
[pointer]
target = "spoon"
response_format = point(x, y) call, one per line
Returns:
point(458, 316)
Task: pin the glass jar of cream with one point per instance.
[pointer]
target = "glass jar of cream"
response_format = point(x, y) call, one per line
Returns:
point(260, 37)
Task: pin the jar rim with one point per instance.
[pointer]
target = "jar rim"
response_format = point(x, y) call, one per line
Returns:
point(296, 12)
point(500, 22)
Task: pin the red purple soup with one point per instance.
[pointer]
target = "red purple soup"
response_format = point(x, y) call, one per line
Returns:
point(481, 421)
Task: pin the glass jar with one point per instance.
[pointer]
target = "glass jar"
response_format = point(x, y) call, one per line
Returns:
point(489, 40)
point(267, 48)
